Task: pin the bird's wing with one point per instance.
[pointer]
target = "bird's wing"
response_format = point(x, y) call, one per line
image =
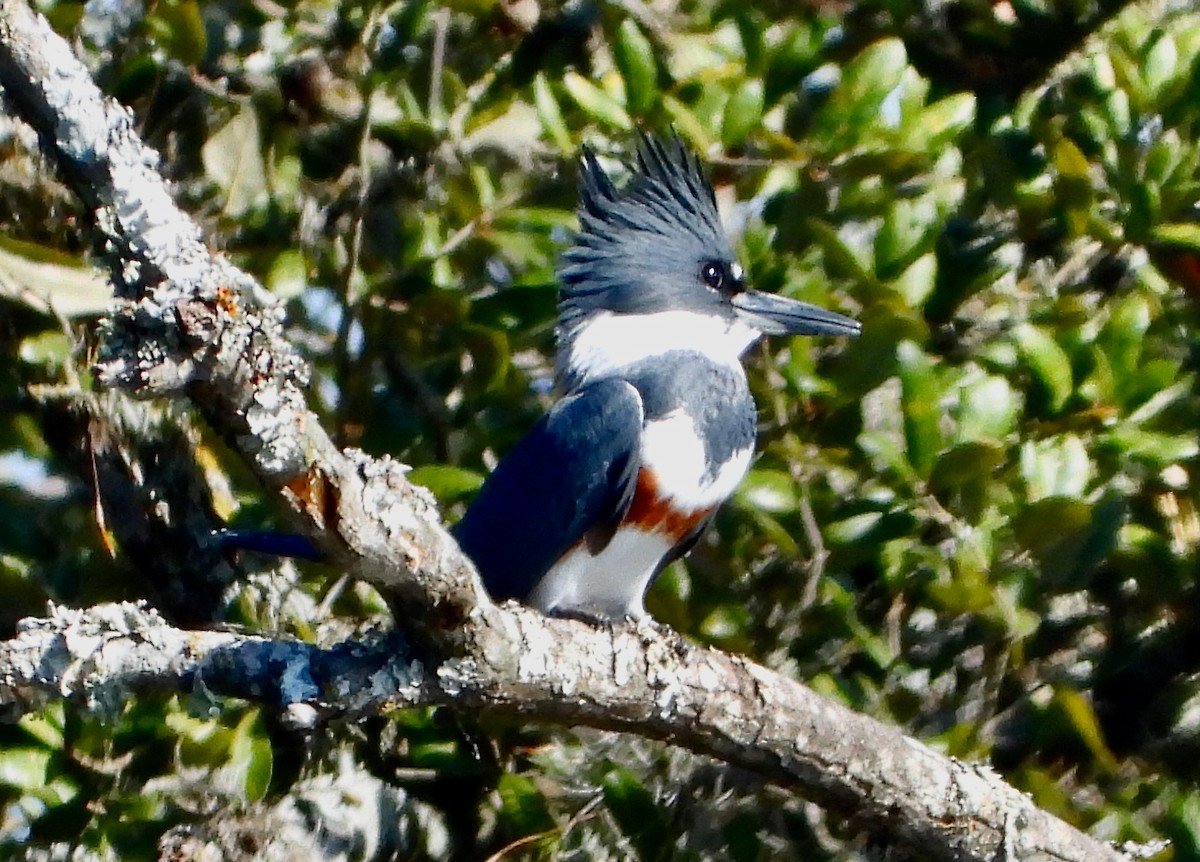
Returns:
point(571, 478)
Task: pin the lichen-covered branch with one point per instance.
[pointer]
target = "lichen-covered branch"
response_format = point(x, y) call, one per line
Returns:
point(639, 679)
point(189, 323)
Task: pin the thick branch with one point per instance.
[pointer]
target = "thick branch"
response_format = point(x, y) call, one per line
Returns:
point(639, 679)
point(192, 323)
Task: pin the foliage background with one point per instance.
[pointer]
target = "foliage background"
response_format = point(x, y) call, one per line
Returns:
point(977, 522)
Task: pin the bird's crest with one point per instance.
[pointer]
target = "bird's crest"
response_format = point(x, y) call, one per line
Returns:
point(642, 239)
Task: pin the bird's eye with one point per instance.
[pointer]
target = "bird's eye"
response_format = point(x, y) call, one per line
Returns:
point(713, 274)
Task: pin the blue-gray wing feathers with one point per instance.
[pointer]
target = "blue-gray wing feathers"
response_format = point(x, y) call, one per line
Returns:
point(570, 479)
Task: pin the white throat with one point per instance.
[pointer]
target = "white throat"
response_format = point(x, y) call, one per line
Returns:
point(608, 343)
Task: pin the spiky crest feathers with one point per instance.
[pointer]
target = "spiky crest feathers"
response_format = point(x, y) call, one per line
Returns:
point(662, 220)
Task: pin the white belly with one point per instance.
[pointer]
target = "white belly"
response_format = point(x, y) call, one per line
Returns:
point(612, 583)
point(609, 585)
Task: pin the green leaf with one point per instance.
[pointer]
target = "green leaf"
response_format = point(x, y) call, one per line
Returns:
point(1162, 63)
point(1054, 530)
point(684, 119)
point(1162, 399)
point(869, 528)
point(842, 259)
point(874, 73)
point(922, 413)
point(596, 103)
point(233, 160)
point(769, 490)
point(550, 114)
point(523, 806)
point(442, 755)
point(1082, 715)
point(743, 113)
point(725, 623)
point(1183, 235)
point(519, 307)
point(449, 484)
point(1125, 334)
point(866, 81)
point(1158, 449)
point(179, 26)
point(1055, 467)
point(251, 758)
point(44, 278)
point(988, 409)
point(967, 463)
point(288, 275)
point(902, 238)
point(50, 348)
point(638, 815)
point(1070, 160)
point(634, 55)
point(1049, 363)
point(24, 768)
point(947, 118)
point(792, 59)
point(46, 725)
point(775, 533)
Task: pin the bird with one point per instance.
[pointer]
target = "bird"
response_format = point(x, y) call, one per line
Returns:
point(655, 423)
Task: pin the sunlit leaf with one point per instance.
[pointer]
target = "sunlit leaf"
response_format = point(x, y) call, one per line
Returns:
point(47, 348)
point(1083, 717)
point(743, 112)
point(179, 25)
point(522, 805)
point(920, 397)
point(1161, 63)
point(550, 114)
point(1185, 235)
point(988, 409)
point(288, 276)
point(947, 118)
point(871, 76)
point(635, 58)
point(1055, 467)
point(769, 490)
point(596, 102)
point(447, 483)
point(24, 768)
point(1049, 363)
point(233, 159)
point(47, 279)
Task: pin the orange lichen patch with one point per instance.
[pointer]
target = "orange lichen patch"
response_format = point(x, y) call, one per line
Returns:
point(227, 299)
point(316, 495)
point(652, 512)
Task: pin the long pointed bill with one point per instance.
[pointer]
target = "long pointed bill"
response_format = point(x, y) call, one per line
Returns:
point(772, 314)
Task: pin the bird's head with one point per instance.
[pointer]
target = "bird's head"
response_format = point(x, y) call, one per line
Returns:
point(652, 270)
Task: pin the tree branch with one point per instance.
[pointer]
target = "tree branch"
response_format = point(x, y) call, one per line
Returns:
point(640, 679)
point(188, 322)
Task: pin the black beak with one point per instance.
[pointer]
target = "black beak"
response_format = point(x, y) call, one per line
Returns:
point(772, 314)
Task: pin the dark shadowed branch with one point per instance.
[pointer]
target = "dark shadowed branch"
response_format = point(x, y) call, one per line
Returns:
point(189, 324)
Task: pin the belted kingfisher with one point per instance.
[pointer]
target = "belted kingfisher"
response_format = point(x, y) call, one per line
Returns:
point(656, 424)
